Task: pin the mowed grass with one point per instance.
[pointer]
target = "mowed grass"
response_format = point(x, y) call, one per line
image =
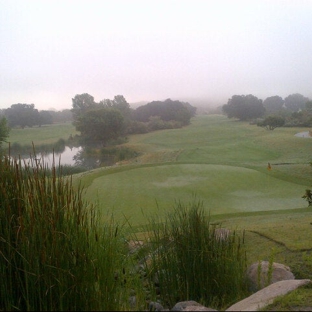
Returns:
point(46, 134)
point(223, 189)
point(217, 160)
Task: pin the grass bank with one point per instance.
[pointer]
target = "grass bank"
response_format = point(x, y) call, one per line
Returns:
point(223, 162)
point(46, 134)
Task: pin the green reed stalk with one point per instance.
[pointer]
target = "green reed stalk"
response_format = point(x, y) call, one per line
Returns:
point(54, 255)
point(192, 264)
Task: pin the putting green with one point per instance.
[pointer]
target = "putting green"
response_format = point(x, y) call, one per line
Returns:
point(149, 191)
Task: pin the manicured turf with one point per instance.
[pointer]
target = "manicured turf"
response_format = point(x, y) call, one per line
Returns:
point(223, 189)
point(217, 160)
point(46, 134)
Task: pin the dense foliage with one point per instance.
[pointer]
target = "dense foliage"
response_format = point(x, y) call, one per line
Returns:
point(272, 122)
point(244, 107)
point(295, 102)
point(89, 117)
point(273, 104)
point(100, 125)
point(4, 130)
point(194, 261)
point(26, 115)
point(54, 254)
point(167, 110)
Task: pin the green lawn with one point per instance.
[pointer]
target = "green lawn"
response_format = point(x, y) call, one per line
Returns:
point(222, 163)
point(46, 134)
point(219, 161)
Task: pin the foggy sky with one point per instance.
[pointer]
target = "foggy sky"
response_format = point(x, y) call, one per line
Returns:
point(153, 50)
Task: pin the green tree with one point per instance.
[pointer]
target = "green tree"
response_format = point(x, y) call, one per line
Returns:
point(98, 126)
point(308, 197)
point(45, 118)
point(80, 104)
point(4, 130)
point(244, 107)
point(23, 115)
point(167, 110)
point(273, 104)
point(296, 102)
point(272, 122)
point(308, 106)
point(120, 103)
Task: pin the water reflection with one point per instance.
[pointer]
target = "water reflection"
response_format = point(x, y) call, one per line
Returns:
point(70, 156)
point(82, 159)
point(66, 157)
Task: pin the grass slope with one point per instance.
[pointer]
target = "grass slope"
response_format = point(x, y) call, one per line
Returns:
point(221, 162)
point(224, 163)
point(46, 134)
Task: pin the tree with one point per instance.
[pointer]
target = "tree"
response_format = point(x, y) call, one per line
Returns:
point(308, 197)
point(244, 107)
point(45, 118)
point(272, 122)
point(119, 103)
point(4, 130)
point(296, 102)
point(64, 115)
point(273, 104)
point(308, 106)
point(80, 104)
point(167, 110)
point(100, 125)
point(23, 115)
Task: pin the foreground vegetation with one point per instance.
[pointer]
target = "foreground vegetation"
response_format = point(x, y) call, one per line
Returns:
point(220, 160)
point(56, 256)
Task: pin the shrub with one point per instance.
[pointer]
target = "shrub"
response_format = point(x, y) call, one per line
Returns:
point(191, 263)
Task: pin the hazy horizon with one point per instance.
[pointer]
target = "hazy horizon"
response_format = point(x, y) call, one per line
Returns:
point(195, 51)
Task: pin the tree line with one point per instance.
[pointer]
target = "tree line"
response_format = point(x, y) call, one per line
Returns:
point(26, 115)
point(274, 111)
point(107, 120)
point(101, 122)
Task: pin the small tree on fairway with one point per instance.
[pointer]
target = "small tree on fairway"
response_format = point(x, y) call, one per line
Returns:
point(308, 197)
point(272, 122)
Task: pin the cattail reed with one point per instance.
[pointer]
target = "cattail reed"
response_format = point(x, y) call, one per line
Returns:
point(54, 254)
point(193, 261)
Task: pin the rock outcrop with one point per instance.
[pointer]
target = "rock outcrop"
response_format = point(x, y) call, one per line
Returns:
point(264, 273)
point(267, 295)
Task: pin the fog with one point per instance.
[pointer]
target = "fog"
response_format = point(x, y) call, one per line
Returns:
point(201, 51)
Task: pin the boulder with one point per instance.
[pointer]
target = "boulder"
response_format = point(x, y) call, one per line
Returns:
point(156, 306)
point(262, 274)
point(222, 234)
point(266, 296)
point(190, 306)
point(134, 245)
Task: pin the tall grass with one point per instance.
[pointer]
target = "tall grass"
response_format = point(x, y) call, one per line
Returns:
point(54, 255)
point(191, 261)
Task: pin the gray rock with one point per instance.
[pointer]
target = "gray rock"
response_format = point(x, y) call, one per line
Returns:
point(155, 306)
point(222, 234)
point(190, 306)
point(266, 296)
point(259, 279)
point(134, 245)
point(198, 308)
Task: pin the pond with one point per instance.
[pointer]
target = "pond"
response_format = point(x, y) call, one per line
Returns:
point(67, 156)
